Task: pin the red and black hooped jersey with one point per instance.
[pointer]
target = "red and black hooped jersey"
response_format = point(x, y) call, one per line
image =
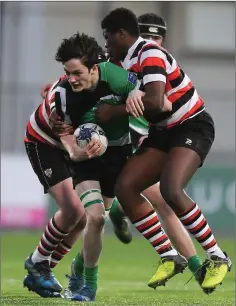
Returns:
point(153, 63)
point(38, 128)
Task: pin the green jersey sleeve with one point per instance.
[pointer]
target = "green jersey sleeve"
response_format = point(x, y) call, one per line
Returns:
point(120, 81)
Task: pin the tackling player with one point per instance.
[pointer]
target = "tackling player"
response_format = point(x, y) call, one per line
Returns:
point(51, 164)
point(177, 144)
point(154, 27)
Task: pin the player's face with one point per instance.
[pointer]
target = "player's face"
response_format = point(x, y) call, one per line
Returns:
point(78, 75)
point(157, 40)
point(115, 45)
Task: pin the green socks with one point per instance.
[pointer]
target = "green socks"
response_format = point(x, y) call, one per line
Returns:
point(194, 263)
point(115, 211)
point(79, 265)
point(90, 274)
point(91, 277)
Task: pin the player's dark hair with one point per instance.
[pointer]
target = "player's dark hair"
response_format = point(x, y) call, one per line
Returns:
point(83, 47)
point(121, 18)
point(153, 19)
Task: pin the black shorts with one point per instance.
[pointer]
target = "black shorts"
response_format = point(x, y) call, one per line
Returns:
point(50, 164)
point(197, 134)
point(104, 169)
point(135, 136)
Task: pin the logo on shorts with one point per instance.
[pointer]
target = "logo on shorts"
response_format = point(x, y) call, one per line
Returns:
point(48, 172)
point(188, 141)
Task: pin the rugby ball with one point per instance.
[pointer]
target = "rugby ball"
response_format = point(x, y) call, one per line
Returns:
point(86, 132)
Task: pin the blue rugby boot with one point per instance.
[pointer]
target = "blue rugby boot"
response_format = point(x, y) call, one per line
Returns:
point(32, 285)
point(41, 276)
point(86, 294)
point(75, 283)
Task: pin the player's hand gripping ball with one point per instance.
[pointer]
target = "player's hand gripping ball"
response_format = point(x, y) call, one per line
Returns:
point(88, 131)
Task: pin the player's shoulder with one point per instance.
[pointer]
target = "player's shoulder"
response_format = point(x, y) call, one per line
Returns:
point(64, 83)
point(107, 70)
point(107, 65)
point(152, 45)
point(151, 48)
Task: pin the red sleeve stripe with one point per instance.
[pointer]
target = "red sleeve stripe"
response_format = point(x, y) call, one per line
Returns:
point(153, 53)
point(34, 134)
point(153, 46)
point(153, 61)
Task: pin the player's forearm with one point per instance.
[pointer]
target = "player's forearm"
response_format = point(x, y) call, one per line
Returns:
point(153, 100)
point(119, 111)
point(154, 115)
point(76, 153)
point(152, 104)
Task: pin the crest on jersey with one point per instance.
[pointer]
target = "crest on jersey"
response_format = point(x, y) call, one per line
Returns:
point(132, 78)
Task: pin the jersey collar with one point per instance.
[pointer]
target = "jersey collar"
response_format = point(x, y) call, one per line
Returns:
point(134, 46)
point(131, 51)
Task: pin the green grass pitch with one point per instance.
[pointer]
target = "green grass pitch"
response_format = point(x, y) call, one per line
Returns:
point(123, 275)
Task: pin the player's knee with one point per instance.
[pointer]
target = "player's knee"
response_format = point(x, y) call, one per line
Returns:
point(74, 214)
point(172, 194)
point(124, 187)
point(96, 220)
point(72, 210)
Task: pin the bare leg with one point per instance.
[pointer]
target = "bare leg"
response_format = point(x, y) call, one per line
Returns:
point(173, 227)
point(71, 214)
point(142, 171)
point(92, 235)
point(181, 166)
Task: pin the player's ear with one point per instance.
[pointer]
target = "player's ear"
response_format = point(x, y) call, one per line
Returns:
point(122, 33)
point(94, 68)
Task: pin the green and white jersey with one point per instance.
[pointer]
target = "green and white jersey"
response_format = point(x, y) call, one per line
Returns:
point(113, 87)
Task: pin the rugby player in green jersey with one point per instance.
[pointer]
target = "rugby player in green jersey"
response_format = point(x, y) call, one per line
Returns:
point(79, 98)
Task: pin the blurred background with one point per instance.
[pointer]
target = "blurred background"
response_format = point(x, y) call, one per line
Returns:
point(201, 36)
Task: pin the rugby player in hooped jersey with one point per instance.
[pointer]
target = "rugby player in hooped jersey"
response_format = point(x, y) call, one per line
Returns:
point(175, 148)
point(154, 27)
